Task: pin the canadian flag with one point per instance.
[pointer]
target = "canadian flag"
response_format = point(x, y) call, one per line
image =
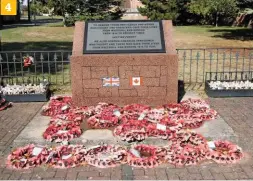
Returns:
point(136, 81)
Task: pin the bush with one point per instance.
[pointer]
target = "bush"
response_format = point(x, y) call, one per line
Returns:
point(70, 21)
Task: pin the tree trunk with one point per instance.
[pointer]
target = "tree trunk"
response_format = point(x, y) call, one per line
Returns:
point(29, 10)
point(34, 13)
point(64, 19)
point(1, 21)
point(17, 18)
point(217, 19)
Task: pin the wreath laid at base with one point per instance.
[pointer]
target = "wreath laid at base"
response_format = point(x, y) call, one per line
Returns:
point(132, 123)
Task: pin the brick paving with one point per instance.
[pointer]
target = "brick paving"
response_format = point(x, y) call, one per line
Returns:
point(237, 112)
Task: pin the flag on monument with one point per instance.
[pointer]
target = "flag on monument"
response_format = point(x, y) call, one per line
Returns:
point(111, 82)
point(136, 81)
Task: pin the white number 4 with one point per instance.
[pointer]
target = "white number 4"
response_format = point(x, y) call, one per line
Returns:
point(8, 7)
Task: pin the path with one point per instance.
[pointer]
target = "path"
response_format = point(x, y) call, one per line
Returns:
point(236, 111)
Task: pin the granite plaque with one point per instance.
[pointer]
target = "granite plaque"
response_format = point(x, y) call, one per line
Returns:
point(109, 37)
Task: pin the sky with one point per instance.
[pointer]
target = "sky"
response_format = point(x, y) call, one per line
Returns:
point(25, 2)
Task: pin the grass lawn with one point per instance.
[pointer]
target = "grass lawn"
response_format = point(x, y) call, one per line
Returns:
point(53, 36)
point(50, 36)
point(212, 37)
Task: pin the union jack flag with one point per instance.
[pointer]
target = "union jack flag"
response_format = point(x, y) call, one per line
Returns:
point(111, 82)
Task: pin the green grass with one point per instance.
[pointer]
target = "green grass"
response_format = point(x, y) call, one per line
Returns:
point(50, 36)
point(47, 17)
point(211, 31)
point(53, 36)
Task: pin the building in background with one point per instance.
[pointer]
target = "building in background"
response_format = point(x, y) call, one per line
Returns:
point(132, 13)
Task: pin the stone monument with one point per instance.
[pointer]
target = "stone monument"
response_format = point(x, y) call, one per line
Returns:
point(124, 62)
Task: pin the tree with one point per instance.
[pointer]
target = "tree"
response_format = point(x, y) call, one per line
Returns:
point(243, 4)
point(36, 7)
point(63, 8)
point(159, 9)
point(217, 8)
point(184, 16)
point(86, 10)
point(100, 10)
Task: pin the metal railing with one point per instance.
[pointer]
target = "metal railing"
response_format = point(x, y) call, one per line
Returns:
point(194, 63)
point(55, 65)
point(51, 65)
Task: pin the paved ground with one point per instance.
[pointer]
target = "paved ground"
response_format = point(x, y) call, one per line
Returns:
point(236, 111)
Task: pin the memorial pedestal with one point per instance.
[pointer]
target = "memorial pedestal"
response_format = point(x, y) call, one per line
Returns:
point(158, 73)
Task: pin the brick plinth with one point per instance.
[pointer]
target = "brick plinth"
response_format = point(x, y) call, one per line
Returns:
point(158, 71)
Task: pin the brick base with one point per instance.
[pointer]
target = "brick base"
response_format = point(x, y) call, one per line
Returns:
point(158, 71)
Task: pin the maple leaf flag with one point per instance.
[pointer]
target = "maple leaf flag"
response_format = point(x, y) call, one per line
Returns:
point(136, 81)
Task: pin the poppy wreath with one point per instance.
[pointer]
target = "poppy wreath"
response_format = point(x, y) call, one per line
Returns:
point(62, 132)
point(105, 119)
point(173, 109)
point(156, 114)
point(148, 156)
point(4, 104)
point(172, 127)
point(131, 131)
point(152, 131)
point(190, 137)
point(134, 112)
point(71, 116)
point(225, 152)
point(189, 120)
point(194, 112)
point(185, 155)
point(188, 148)
point(23, 158)
point(105, 156)
point(194, 104)
point(28, 61)
point(67, 156)
point(57, 105)
point(94, 110)
point(57, 120)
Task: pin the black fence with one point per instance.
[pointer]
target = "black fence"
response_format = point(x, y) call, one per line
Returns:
point(194, 63)
point(55, 65)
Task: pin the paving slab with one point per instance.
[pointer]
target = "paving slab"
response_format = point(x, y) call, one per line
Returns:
point(213, 130)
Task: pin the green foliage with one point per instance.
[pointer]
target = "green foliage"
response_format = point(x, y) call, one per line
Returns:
point(243, 4)
point(75, 10)
point(159, 9)
point(63, 7)
point(185, 17)
point(36, 7)
point(214, 9)
point(100, 10)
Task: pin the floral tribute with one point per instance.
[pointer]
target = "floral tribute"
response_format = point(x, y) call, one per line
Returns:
point(188, 148)
point(23, 89)
point(230, 85)
point(4, 104)
point(131, 123)
point(28, 61)
point(146, 156)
